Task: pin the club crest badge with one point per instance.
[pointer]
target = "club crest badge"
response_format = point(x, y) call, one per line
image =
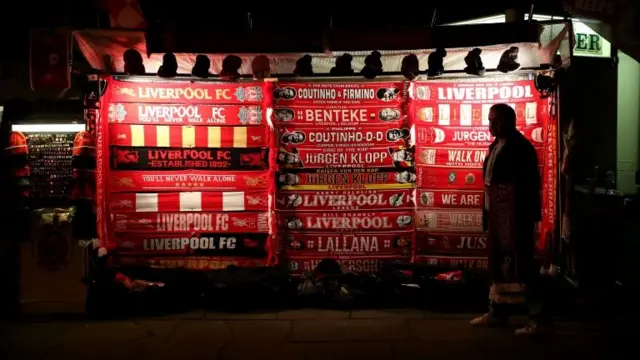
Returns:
point(293, 266)
point(117, 113)
point(249, 93)
point(426, 198)
point(445, 243)
point(470, 178)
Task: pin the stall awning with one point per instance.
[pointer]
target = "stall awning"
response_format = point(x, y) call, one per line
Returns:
point(339, 39)
point(103, 49)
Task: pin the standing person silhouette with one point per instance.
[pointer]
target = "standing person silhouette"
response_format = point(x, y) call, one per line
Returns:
point(512, 207)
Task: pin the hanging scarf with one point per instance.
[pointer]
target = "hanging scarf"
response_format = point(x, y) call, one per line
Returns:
point(489, 171)
point(502, 234)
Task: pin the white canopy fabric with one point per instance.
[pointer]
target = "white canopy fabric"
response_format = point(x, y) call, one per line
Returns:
point(103, 50)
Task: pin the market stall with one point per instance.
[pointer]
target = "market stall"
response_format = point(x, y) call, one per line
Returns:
point(202, 173)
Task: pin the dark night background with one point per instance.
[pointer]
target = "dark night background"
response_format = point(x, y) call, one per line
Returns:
point(213, 16)
point(589, 81)
point(219, 18)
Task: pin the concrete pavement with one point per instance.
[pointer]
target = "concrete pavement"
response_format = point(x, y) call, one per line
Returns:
point(304, 334)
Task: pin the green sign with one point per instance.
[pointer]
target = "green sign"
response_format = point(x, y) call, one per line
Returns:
point(588, 43)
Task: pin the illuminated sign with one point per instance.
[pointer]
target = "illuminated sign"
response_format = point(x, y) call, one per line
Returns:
point(589, 43)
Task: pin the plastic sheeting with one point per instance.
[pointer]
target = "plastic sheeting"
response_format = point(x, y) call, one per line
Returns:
point(103, 50)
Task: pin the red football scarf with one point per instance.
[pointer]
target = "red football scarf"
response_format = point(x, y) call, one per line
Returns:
point(201, 263)
point(182, 92)
point(346, 221)
point(337, 244)
point(449, 178)
point(451, 157)
point(122, 181)
point(323, 116)
point(353, 94)
point(502, 231)
point(316, 158)
point(468, 220)
point(344, 200)
point(456, 243)
point(189, 201)
point(462, 103)
point(342, 136)
point(187, 136)
point(200, 243)
point(192, 221)
point(469, 137)
point(298, 265)
point(145, 158)
point(463, 199)
point(345, 179)
point(454, 262)
point(193, 114)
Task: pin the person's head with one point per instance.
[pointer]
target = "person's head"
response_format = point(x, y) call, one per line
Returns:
point(387, 114)
point(284, 114)
point(296, 137)
point(289, 179)
point(405, 177)
point(395, 134)
point(133, 63)
point(502, 120)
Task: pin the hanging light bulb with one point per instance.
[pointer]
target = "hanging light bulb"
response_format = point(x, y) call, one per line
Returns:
point(410, 67)
point(343, 66)
point(133, 64)
point(545, 85)
point(372, 65)
point(474, 63)
point(261, 67)
point(509, 60)
point(231, 68)
point(304, 66)
point(169, 67)
point(201, 67)
point(436, 60)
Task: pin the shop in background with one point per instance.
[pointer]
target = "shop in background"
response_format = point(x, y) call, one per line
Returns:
point(43, 156)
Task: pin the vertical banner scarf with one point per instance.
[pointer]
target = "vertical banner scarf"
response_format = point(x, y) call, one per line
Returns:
point(506, 287)
point(345, 173)
point(450, 127)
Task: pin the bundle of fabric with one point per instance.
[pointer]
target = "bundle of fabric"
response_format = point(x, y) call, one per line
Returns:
point(133, 291)
point(330, 284)
point(324, 281)
point(238, 288)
